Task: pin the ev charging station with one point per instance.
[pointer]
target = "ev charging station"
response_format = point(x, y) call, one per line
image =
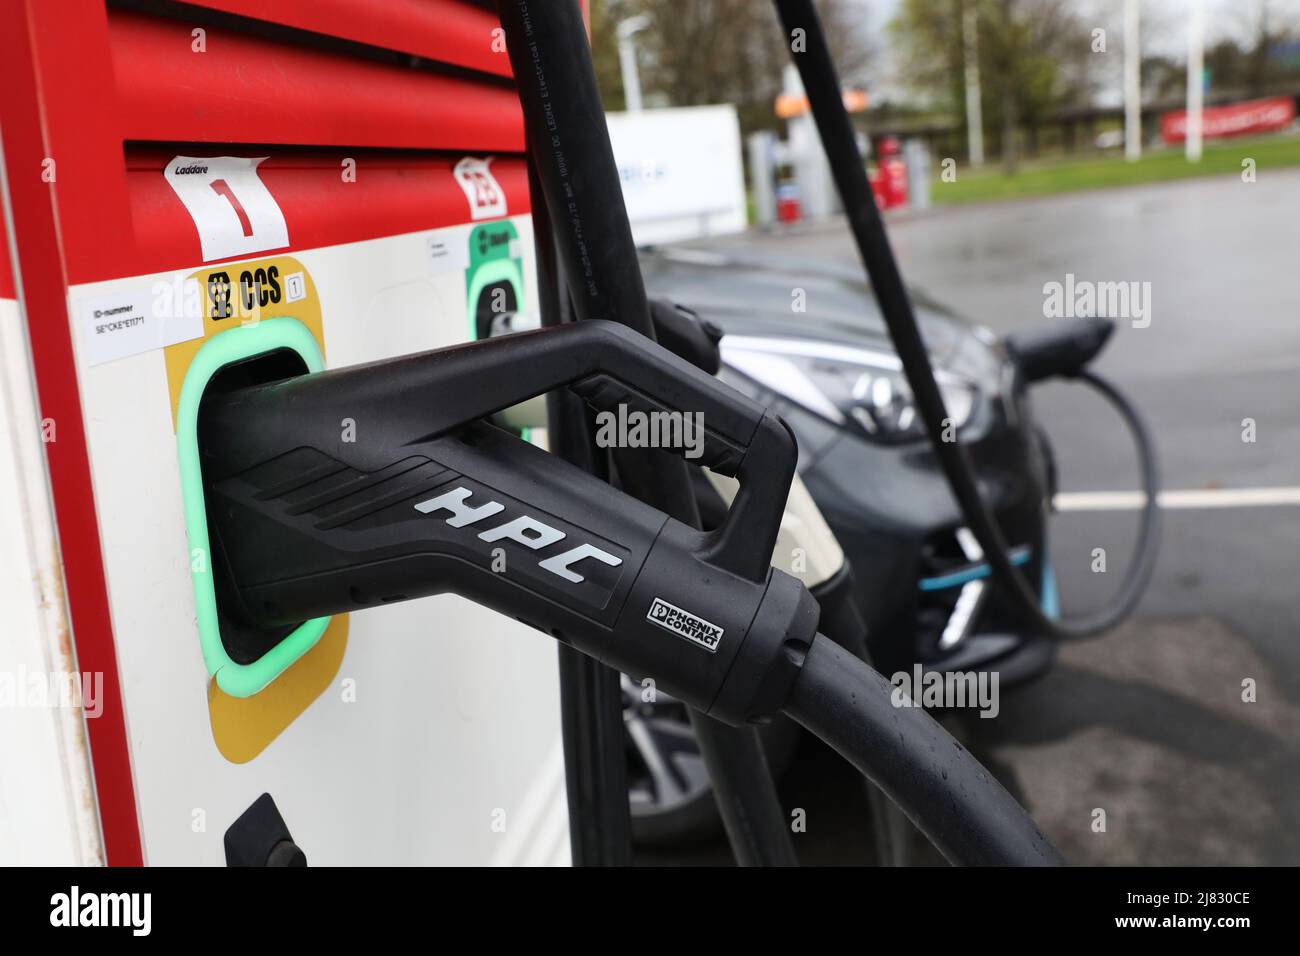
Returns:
point(256, 334)
point(282, 171)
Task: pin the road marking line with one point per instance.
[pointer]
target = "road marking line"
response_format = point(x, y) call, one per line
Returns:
point(1172, 500)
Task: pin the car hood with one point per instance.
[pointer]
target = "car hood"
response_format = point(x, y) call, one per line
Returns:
point(751, 294)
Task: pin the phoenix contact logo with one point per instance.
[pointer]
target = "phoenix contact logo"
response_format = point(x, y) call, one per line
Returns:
point(685, 625)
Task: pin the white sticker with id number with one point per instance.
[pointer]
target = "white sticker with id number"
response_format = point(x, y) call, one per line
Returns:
point(139, 319)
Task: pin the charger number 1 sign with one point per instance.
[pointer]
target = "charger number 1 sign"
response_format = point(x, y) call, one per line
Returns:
point(232, 209)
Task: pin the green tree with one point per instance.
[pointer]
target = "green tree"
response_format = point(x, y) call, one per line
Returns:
point(700, 52)
point(1034, 57)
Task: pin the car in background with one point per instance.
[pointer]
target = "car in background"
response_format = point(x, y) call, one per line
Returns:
point(807, 340)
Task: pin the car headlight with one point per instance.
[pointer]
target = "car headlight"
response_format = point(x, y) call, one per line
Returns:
point(844, 384)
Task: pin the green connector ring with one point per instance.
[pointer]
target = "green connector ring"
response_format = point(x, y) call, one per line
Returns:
point(241, 342)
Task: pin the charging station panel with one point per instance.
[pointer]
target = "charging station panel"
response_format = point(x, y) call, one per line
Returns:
point(350, 174)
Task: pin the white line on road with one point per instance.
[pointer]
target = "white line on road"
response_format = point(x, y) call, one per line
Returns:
point(1186, 498)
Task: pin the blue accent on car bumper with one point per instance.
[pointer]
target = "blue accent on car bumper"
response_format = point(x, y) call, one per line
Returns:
point(976, 572)
point(1050, 598)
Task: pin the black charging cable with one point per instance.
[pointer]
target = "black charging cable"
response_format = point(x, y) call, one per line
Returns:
point(579, 182)
point(821, 84)
point(1148, 534)
point(968, 816)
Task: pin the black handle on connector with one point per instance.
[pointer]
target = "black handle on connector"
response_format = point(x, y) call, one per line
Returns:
point(609, 365)
point(606, 363)
point(681, 331)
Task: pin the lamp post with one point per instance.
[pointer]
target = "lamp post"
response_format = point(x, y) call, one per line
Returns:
point(1195, 79)
point(971, 56)
point(1132, 81)
point(626, 30)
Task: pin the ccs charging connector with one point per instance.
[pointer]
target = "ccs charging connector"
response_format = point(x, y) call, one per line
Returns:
point(429, 498)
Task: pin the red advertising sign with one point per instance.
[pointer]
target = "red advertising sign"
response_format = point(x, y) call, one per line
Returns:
point(1252, 116)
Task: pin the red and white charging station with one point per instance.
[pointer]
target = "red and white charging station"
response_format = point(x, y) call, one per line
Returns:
point(170, 170)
